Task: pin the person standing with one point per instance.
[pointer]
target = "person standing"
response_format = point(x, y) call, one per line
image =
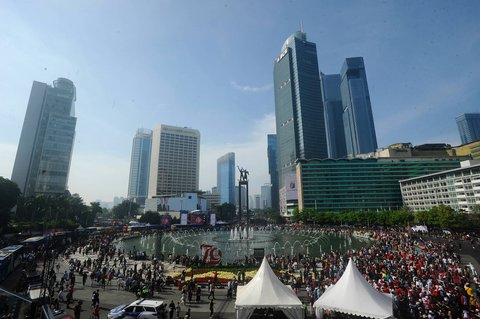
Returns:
point(96, 311)
point(172, 309)
point(178, 309)
point(84, 278)
point(77, 309)
point(198, 294)
point(211, 292)
point(211, 308)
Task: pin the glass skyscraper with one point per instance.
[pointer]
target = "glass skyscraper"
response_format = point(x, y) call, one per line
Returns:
point(272, 155)
point(226, 178)
point(175, 160)
point(44, 153)
point(140, 166)
point(298, 104)
point(332, 103)
point(469, 127)
point(358, 123)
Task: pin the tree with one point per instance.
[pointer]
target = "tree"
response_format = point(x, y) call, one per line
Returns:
point(126, 209)
point(151, 218)
point(96, 208)
point(272, 215)
point(226, 212)
point(9, 194)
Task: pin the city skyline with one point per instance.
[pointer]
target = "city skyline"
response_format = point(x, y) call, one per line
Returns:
point(132, 71)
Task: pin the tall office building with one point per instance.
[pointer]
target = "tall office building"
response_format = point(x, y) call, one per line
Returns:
point(332, 103)
point(140, 166)
point(358, 123)
point(44, 153)
point(226, 178)
point(266, 196)
point(298, 105)
point(272, 155)
point(469, 127)
point(174, 162)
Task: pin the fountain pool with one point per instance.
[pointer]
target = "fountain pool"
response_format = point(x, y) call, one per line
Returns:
point(234, 247)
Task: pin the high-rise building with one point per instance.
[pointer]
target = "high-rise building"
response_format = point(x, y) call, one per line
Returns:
point(226, 178)
point(117, 200)
point(256, 201)
point(332, 103)
point(44, 153)
point(469, 127)
point(358, 123)
point(272, 155)
point(265, 196)
point(140, 166)
point(174, 162)
point(298, 104)
point(213, 200)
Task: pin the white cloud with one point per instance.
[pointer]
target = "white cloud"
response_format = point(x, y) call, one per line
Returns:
point(251, 155)
point(247, 88)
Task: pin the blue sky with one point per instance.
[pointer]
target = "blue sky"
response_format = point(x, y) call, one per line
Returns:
point(208, 65)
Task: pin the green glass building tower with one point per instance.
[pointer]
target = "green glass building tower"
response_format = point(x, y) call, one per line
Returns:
point(298, 105)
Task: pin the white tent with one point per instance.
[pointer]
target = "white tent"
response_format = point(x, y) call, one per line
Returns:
point(352, 294)
point(265, 290)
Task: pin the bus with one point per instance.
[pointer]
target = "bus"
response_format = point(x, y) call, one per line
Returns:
point(10, 259)
point(33, 243)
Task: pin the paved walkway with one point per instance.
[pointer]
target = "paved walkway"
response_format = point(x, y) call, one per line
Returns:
point(111, 296)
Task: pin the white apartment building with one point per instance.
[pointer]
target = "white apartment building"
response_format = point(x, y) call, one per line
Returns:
point(458, 188)
point(174, 162)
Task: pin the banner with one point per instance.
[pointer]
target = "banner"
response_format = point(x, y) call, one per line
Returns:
point(183, 218)
point(213, 219)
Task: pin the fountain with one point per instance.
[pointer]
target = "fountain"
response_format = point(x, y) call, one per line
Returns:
point(239, 242)
point(239, 233)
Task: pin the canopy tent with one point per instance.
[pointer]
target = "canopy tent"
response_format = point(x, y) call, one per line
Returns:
point(352, 294)
point(265, 290)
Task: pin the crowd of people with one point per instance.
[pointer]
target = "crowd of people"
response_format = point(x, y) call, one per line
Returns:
point(425, 277)
point(424, 274)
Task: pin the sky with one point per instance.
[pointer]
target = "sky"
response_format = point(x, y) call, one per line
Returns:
point(208, 65)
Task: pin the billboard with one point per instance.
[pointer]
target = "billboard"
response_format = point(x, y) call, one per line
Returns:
point(197, 218)
point(165, 220)
point(291, 187)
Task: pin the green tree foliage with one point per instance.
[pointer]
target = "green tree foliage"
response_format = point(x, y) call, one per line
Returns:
point(9, 194)
point(150, 217)
point(125, 209)
point(272, 215)
point(226, 212)
point(64, 210)
point(96, 208)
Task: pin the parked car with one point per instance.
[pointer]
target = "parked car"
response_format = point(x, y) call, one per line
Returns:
point(139, 309)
